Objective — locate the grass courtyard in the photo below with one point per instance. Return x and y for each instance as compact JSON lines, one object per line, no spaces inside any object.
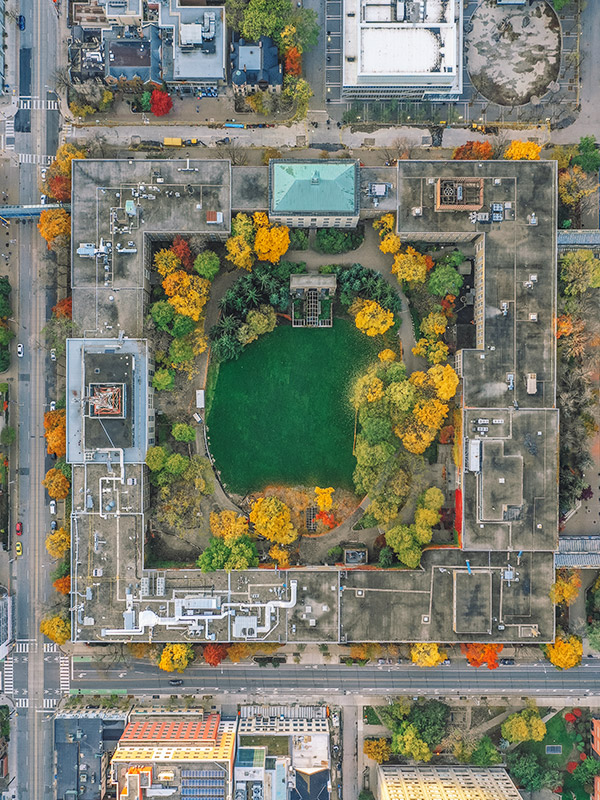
{"x":281,"y":414}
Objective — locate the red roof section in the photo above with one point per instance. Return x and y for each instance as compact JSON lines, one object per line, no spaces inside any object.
{"x":172,"y":730}
{"x":211,"y":216}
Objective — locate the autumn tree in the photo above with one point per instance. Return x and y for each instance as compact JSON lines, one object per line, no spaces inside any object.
{"x":565,"y":653}
{"x":56,"y":628}
{"x":56,"y":432}
{"x":63,"y":585}
{"x":181,"y":248}
{"x":160,"y":103}
{"x":473,"y":151}
{"x":64,"y":308}
{"x":271,"y":243}
{"x":377,"y":749}
{"x":238,"y":652}
{"x":280,"y":555}
{"x":166,"y":262}
{"x":156,"y":457}
{"x":187,"y":294}
{"x":64,"y":156}
{"x":479,"y":654}
{"x":517,"y":151}
{"x":564,"y":325}
{"x":324,"y":498}
{"x":258,"y":322}
{"x":390,"y":243}
{"x":271,"y":519}
{"x":434,"y":350}
{"x":409,"y":744}
{"x":292,"y":62}
{"x":574,"y":185}
{"x":58,"y":543}
{"x":213,"y":654}
{"x":524,"y":726}
{"x":239,"y":252}
{"x":370,"y":317}
{"x":228,"y":525}
{"x":410,"y":266}
{"x":56,"y":484}
{"x":53,"y":223}
{"x":565,"y":589}
{"x":385,"y":225}
{"x":175,"y":657}
{"x":580,"y":271}
{"x":427,"y":654}
{"x":59,"y":187}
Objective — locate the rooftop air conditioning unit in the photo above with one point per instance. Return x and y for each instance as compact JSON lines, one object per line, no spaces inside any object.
{"x":417,"y":211}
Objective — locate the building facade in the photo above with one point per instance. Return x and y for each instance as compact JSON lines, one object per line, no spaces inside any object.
{"x":395,"y":782}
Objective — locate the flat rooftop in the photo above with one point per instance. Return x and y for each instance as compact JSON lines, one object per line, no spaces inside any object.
{"x":123,"y":204}
{"x":196,"y":49}
{"x":404,"y":43}
{"x":107,"y":399}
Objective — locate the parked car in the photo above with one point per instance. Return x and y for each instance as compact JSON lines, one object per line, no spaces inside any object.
{"x":19,"y":549}
{"x":19,"y":528}
{"x":507,"y":662}
{"x":446,"y":662}
{"x":53,"y":354}
{"x":176,"y":682}
{"x":53,"y":506}
{"x":53,"y":525}
{"x":43,"y":173}
{"x":43,"y":199}
{"x":21,"y":22}
{"x":20,"y":350}
{"x":53,"y":405}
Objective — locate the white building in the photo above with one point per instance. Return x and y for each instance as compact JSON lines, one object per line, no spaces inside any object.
{"x":409,"y":50}
{"x":395,"y":782}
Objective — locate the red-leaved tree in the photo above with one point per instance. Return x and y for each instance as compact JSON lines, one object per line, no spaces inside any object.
{"x":160,"y":103}
{"x":293,"y":62}
{"x":214,"y":654}
{"x":64,"y":308}
{"x":480,"y":654}
{"x":182,"y":250}
{"x":59,"y":186}
{"x":63,"y":585}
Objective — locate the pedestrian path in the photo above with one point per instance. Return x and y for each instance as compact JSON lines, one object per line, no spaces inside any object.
{"x":35,"y":104}
{"x":34,"y":158}
{"x":9,"y":675}
{"x":9,"y":134}
{"x":50,"y":647}
{"x":22,"y":702}
{"x":50,"y":703}
{"x":65,"y":675}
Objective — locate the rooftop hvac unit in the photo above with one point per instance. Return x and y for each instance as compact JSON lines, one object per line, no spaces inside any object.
{"x":417,"y":211}
{"x":531,"y":383}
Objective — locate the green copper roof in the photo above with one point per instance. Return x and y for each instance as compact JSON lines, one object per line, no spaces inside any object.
{"x":313,"y":187}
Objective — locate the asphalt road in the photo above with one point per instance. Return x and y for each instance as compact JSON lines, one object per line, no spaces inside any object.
{"x":36,"y":681}
{"x":540,"y":679}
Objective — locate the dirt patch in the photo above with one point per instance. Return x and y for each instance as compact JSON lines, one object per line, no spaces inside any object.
{"x":513,"y":52}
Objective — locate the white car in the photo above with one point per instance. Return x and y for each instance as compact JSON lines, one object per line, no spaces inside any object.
{"x":53,"y":405}
{"x":53,"y":506}
{"x":20,"y":350}
{"x":53,"y":354}
{"x":43,"y":199}
{"x":43,"y":173}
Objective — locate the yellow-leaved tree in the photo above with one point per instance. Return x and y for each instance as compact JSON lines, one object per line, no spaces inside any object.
{"x":566,"y":588}
{"x":370,"y":317}
{"x":271,"y":519}
{"x":518,"y":150}
{"x":228,"y":525}
{"x":280,"y":555}
{"x":427,"y":654}
{"x":166,"y":262}
{"x":377,"y":749}
{"x":239,"y":252}
{"x":434,"y":324}
{"x":187,"y":294}
{"x":175,"y":657}
{"x":56,"y":628}
{"x":390,"y":243}
{"x":410,"y":266}
{"x":58,"y":543}
{"x":324,"y":498}
{"x":565,"y":653}
{"x":271,"y":243}
{"x":386,"y":356}
{"x":53,"y":223}
{"x":524,"y":726}
{"x":385,"y":225}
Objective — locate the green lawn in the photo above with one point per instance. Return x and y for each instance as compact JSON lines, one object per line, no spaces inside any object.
{"x":280,"y":413}
{"x":556,"y":733}
{"x":276,"y":745}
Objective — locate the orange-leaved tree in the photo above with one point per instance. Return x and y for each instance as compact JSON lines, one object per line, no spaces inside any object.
{"x":292,"y":62}
{"x":479,"y":654}
{"x":64,"y":308}
{"x":517,"y":151}
{"x":271,"y":519}
{"x":59,"y":187}
{"x":56,"y":484}
{"x":63,"y":585}
{"x":55,"y":425}
{"x":238,"y":651}
{"x":476,"y":151}
{"x":53,"y":223}
{"x":566,"y":652}
{"x":182,"y":250}
{"x":214,"y":654}
{"x":56,"y":628}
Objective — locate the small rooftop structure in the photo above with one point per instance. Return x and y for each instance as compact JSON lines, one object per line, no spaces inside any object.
{"x":314,"y":194}
{"x":312,"y":300}
{"x":409,"y":49}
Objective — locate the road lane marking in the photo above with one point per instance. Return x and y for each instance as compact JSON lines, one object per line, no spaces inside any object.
{"x":9,"y":675}
{"x":65,"y":675}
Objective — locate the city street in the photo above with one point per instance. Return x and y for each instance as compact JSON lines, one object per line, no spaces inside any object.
{"x":542,"y":679}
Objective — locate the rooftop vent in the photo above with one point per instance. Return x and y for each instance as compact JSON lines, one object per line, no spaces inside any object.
{"x":316,"y":178}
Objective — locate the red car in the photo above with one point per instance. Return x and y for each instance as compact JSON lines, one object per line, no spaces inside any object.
{"x":19,"y":527}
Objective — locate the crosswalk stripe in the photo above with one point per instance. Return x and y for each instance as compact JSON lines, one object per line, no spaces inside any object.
{"x":22,"y":702}
{"x":22,"y":647}
{"x":35,"y":104}
{"x":9,"y":675}
{"x":50,"y":702}
{"x":34,"y":158}
{"x":65,"y":674}
{"x":50,"y":647}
